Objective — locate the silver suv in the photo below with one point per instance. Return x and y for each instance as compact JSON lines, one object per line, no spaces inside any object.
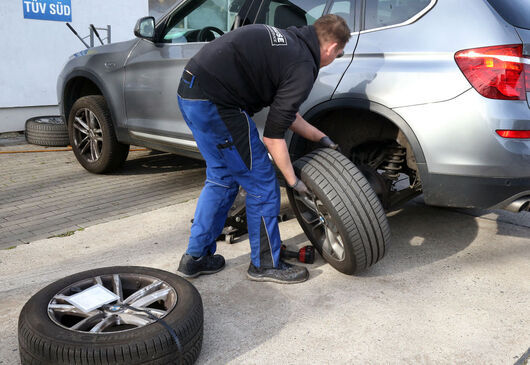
{"x":432,"y":96}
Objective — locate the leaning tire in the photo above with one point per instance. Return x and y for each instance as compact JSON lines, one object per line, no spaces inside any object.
{"x":93,"y":138}
{"x":50,"y":331}
{"x":344,"y":220}
{"x":48,"y":131}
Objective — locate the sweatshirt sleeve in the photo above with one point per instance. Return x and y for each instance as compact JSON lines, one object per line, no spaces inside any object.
{"x":294,"y":89}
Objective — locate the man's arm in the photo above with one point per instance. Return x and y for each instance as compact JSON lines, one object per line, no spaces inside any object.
{"x":302,"y":127}
{"x":278,"y":149}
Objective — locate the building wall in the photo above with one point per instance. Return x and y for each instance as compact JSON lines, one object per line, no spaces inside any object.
{"x":34,"y":52}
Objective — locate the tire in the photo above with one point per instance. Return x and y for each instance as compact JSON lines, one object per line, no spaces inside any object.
{"x":45,"y":335}
{"x":48,"y":131}
{"x":94,"y":144}
{"x":344,"y":220}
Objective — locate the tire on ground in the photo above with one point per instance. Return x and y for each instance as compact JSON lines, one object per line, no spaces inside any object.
{"x":113,"y":153}
{"x":351,"y":205}
{"x":43,"y":341}
{"x":48,"y":131}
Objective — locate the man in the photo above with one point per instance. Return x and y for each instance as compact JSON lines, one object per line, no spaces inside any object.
{"x":222,"y":86}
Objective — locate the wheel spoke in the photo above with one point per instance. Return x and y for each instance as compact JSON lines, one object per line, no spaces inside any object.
{"x":84,"y":148}
{"x":143,"y":292}
{"x":105,"y":323}
{"x":116,"y":287}
{"x":85,"y":139}
{"x":91,"y":119}
{"x":326,"y":245}
{"x":135,"y":319}
{"x":310,"y":218}
{"x":94,"y":150}
{"x":88,"y":322}
{"x":333,"y":243}
{"x":318,"y":225}
{"x":338,"y":249}
{"x":71,"y":310}
{"x":146,"y":300}
{"x":307,"y":202}
{"x":80,"y":125}
{"x":97,"y":280}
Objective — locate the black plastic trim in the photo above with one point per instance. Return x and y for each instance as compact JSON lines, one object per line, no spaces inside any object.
{"x":474,"y":192}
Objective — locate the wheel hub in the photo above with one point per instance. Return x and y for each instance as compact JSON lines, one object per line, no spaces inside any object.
{"x":114,"y":309}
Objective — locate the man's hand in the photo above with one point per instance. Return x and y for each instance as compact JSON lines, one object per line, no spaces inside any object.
{"x":300,"y":187}
{"x":327,"y":142}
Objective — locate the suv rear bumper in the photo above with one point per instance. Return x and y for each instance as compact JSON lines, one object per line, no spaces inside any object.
{"x":466,"y":163}
{"x":471,"y":191}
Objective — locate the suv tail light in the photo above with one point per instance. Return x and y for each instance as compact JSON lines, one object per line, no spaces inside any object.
{"x":507,"y":133}
{"x":496,"y":72}
{"x":527,"y":73}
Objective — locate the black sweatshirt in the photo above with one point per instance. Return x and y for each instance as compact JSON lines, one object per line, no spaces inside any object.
{"x":256,"y":66}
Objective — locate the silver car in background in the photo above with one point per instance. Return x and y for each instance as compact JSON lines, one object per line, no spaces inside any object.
{"x":432,"y":96}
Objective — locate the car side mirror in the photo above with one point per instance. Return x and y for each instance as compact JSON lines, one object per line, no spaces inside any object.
{"x":145,"y":28}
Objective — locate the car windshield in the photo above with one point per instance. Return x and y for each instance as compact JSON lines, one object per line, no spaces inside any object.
{"x":515,"y":12}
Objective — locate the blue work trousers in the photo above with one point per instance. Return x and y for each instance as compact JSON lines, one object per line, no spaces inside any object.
{"x":235,"y":156}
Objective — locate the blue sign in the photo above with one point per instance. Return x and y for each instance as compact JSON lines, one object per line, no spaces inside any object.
{"x":58,"y":10}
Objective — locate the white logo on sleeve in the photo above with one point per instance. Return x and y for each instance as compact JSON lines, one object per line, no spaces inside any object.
{"x":277,"y":37}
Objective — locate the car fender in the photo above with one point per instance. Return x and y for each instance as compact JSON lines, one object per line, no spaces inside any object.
{"x":117,"y":114}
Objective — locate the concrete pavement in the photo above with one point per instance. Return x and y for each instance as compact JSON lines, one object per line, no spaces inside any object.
{"x":453,"y":289}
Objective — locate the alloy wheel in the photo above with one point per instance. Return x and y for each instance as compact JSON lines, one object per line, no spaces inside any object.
{"x":88,"y":135}
{"x":315,"y":214}
{"x":142,"y":300}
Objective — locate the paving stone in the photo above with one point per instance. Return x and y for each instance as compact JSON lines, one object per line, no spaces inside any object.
{"x":46,"y":193}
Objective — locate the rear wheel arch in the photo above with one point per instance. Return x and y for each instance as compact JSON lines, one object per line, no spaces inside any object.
{"x":332,"y":115}
{"x":376,"y":139}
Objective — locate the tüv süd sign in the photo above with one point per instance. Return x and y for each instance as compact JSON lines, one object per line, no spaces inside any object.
{"x":58,"y":10}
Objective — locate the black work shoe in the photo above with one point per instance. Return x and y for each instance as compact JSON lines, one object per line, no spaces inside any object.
{"x":209,"y":264}
{"x":284,"y":274}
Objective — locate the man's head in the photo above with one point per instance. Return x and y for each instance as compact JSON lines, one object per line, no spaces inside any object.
{"x":333,"y":34}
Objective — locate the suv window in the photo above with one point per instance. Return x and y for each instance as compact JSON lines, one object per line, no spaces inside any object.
{"x":515,"y":12}
{"x":284,"y":13}
{"x":344,"y":9}
{"x":186,"y":25}
{"x":382,"y":13}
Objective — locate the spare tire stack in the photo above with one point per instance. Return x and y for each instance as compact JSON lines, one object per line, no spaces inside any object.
{"x":48,"y":131}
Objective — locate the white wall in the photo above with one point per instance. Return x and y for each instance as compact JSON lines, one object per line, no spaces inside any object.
{"x":34,"y":51}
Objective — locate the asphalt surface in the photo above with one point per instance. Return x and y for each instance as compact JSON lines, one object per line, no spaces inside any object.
{"x":453,"y":288}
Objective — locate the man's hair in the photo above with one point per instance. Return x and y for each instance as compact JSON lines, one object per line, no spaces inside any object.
{"x":332,"y":28}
